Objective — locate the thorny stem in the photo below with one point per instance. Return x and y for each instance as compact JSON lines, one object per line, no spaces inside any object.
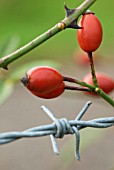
{"x":45,"y":36}
{"x":92,"y":69}
{"x":92,"y":89}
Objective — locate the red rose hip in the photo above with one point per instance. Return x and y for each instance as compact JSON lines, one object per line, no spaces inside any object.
{"x":52,"y":94}
{"x":90,"y":36}
{"x":42,"y":79}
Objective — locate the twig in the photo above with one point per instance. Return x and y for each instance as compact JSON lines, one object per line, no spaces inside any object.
{"x":94,"y":78}
{"x":77,"y":88}
{"x":92,"y":88}
{"x":45,"y":36}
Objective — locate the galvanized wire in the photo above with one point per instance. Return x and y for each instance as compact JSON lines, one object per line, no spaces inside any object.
{"x":59,"y":128}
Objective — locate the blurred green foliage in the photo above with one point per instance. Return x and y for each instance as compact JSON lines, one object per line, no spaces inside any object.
{"x":28,"y":19}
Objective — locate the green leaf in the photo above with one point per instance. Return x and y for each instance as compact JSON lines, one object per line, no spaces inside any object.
{"x":6,"y":89}
{"x":16,"y":74}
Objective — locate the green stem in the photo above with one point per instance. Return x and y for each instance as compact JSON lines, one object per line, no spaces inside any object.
{"x":40,"y":39}
{"x":104,"y":96}
{"x":77,"y":88}
{"x":94,"y":78}
{"x":92,"y":89}
{"x":96,"y":86}
{"x":73,"y":80}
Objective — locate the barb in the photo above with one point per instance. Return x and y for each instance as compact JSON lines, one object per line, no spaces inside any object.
{"x":59,"y":128}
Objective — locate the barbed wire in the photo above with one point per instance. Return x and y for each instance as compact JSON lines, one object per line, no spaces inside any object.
{"x":59,"y":128}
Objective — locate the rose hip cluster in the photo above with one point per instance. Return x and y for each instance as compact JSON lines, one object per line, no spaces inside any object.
{"x":46,"y":82}
{"x":89,"y":39}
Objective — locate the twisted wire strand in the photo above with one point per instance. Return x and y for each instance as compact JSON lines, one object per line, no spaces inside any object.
{"x":59,"y":128}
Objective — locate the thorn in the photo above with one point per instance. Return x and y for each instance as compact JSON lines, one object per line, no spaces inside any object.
{"x":65,"y":7}
{"x":5,"y":67}
{"x":68,"y":11}
{"x":73,"y":24}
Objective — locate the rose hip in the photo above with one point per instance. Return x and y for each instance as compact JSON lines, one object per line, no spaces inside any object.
{"x":90,"y":36}
{"x":42,"y":79}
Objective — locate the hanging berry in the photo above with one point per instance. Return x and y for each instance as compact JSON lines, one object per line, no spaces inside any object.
{"x":42,"y":79}
{"x":52,"y":94}
{"x":90,"y":36}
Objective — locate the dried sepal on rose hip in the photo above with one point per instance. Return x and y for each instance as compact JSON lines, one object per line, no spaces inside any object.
{"x":43,"y":81}
{"x":105,"y":82}
{"x":90,"y":36}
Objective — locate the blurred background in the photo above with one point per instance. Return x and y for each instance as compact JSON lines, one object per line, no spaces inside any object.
{"x":21,"y":22}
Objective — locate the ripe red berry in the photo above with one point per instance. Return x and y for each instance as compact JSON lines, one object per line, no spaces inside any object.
{"x":52,"y":94}
{"x":105,"y":82}
{"x":42,"y":79}
{"x":90,"y":36}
